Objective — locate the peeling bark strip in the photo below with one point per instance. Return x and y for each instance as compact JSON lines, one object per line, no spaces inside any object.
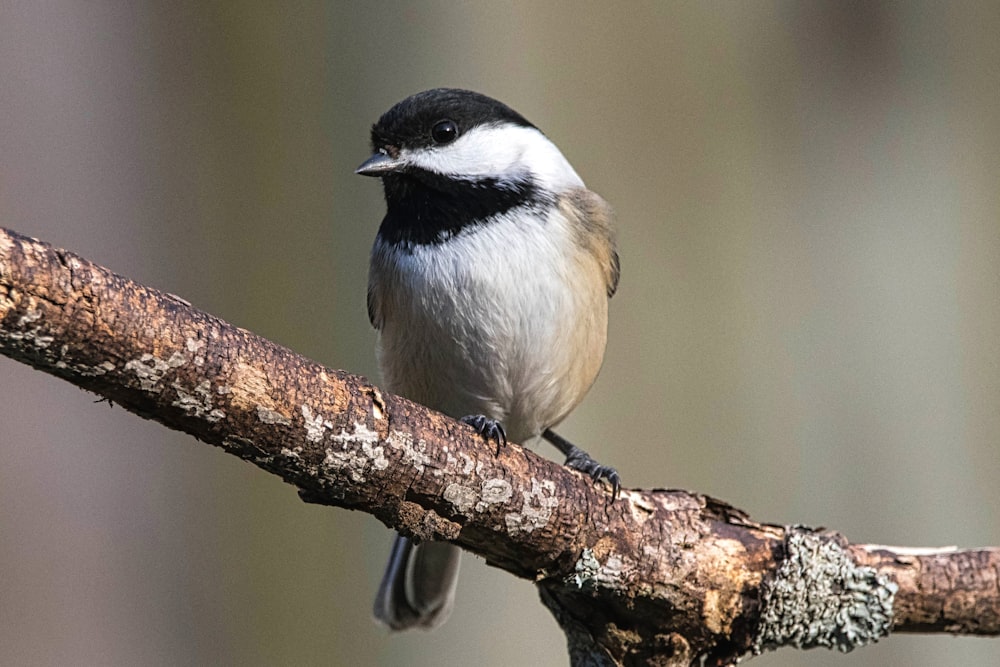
{"x":658,"y":577}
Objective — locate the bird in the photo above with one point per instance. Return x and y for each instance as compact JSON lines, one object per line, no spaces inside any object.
{"x":488,"y":287}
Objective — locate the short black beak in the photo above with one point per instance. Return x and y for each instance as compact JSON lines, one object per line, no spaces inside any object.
{"x":380,"y":164}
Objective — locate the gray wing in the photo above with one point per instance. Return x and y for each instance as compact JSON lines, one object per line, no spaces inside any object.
{"x":377,"y":269}
{"x":594,"y":219}
{"x":373,"y":314}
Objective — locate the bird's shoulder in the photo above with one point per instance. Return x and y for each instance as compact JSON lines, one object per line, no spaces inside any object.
{"x":593,"y":221}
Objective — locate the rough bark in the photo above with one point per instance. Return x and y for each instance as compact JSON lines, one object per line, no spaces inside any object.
{"x":659,"y":577}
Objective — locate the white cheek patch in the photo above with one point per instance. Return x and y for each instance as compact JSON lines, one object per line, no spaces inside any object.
{"x":504,"y":152}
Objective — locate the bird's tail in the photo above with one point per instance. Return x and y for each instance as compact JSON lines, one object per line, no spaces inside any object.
{"x":418,"y":587}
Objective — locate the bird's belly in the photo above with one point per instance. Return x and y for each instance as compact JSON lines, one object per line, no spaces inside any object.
{"x":517,"y":334}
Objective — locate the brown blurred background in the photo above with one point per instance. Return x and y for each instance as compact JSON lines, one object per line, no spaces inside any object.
{"x":807,"y":324}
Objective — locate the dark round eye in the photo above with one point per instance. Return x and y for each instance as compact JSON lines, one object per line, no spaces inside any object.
{"x":444,"y":132}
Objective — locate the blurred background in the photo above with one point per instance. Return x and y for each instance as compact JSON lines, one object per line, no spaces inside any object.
{"x":807,"y":324}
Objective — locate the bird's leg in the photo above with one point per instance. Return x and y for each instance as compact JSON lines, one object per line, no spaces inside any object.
{"x":490,"y":429}
{"x":577,"y":459}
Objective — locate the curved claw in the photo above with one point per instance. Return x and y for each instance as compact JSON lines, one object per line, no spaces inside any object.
{"x":577,"y":459}
{"x":580,"y":460}
{"x":490,"y":429}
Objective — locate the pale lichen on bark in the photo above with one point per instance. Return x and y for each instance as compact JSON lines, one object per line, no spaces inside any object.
{"x":820,"y":596}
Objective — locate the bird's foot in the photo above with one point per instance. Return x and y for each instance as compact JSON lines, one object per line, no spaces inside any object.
{"x":490,"y":429}
{"x":585,"y":463}
{"x":577,"y":459}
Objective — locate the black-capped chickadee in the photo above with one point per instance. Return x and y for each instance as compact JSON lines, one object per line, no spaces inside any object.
{"x":489,"y":286}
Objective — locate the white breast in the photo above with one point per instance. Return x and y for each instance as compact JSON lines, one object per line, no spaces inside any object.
{"x":506,"y":319}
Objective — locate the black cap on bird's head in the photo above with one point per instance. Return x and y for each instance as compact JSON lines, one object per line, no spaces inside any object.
{"x":453,"y":159}
{"x":432,"y":118}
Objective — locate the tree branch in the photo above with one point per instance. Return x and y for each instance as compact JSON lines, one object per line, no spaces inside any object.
{"x":658,"y":577}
